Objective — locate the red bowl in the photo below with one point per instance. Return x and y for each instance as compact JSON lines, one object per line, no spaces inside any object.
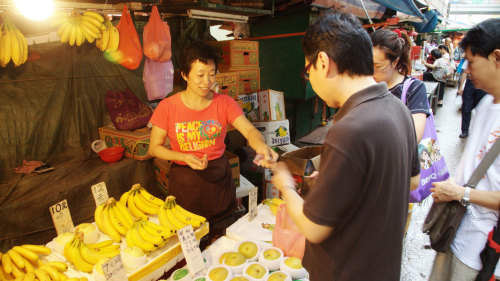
{"x":112,"y":154}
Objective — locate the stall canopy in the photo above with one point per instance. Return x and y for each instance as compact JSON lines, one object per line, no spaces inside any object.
{"x":404,"y":6}
{"x":355,"y":7}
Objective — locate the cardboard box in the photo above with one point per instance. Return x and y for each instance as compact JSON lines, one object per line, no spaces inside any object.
{"x":303,"y":161}
{"x":234,"y":162}
{"x":162,"y":172}
{"x":238,"y":52}
{"x":136,"y":143}
{"x":228,"y":83}
{"x":275,"y":132}
{"x":271,"y":105}
{"x":250,"y":105}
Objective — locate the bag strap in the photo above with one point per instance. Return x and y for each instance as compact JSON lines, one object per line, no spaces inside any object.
{"x":406,"y":86}
{"x":483,"y":166}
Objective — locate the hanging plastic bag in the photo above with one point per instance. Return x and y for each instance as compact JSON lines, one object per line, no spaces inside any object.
{"x":158,"y":78}
{"x":126,"y":110}
{"x":287,"y":236}
{"x":130,"y":45}
{"x":156,"y":38}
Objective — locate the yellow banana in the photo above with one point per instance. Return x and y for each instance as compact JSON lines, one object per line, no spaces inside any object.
{"x":74,"y":279}
{"x":62,"y":276}
{"x":38,"y":249}
{"x":77,"y":259}
{"x":124,"y":214}
{"x":154,"y":228}
{"x":156,"y":239}
{"x":66,"y":31}
{"x":24,"y":45}
{"x":185,"y":218}
{"x":52,"y":272}
{"x":17,"y":272}
{"x":94,"y":22}
{"x":17,"y":259}
{"x":16,"y":55}
{"x":6,"y":47}
{"x":67,"y":249}
{"x":113,"y":219}
{"x":89,"y":36}
{"x":145,"y":205}
{"x":26,"y":253}
{"x":59,"y":265}
{"x":108,"y":228}
{"x":7,"y":263}
{"x":79,"y":35}
{"x":128,"y":238}
{"x":72,"y":35}
{"x":29,"y":267}
{"x":184,"y":211}
{"x":163,"y":218}
{"x":107,"y":249}
{"x":98,"y":214}
{"x":62,"y":27}
{"x":83,"y":279}
{"x":149,"y":197}
{"x":92,"y":28}
{"x":136,"y":212}
{"x":104,"y":39}
{"x":30,"y":276}
{"x":139,"y":242}
{"x":124,"y":197}
{"x":174,"y":220}
{"x":100,"y":244}
{"x":89,"y":255}
{"x":95,"y":15}
{"x":42,"y":275}
{"x":114,"y":40}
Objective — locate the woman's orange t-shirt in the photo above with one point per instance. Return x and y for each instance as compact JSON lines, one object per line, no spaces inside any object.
{"x":196,"y":131}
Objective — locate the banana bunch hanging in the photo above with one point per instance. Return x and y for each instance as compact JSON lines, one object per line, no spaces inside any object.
{"x":13,"y":45}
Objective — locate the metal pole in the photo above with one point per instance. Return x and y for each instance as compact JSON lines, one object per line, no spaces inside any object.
{"x":366,"y":12}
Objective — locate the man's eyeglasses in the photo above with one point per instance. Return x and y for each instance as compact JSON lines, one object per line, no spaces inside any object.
{"x":305,"y":72}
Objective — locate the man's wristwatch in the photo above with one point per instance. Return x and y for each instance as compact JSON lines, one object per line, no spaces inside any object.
{"x":466,"y":199}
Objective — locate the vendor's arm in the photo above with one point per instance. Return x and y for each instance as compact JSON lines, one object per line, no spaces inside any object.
{"x":157,"y":149}
{"x":314,"y":233}
{"x":448,"y":191}
{"x":256,"y":141}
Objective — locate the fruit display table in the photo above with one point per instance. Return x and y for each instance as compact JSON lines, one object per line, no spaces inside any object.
{"x":243,"y":229}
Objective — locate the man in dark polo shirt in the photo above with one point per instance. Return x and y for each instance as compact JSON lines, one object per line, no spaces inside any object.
{"x":354,"y":216}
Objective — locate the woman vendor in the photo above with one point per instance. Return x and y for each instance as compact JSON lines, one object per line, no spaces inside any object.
{"x":196,"y":120}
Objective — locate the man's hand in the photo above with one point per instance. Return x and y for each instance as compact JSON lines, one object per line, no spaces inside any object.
{"x":270,"y":156}
{"x":196,"y":163}
{"x":282,"y":179}
{"x":445,"y":191}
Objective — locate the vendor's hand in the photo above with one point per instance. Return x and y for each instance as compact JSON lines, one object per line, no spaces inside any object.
{"x":446,"y":191}
{"x":196,"y":163}
{"x":282,"y":179}
{"x":270,"y":156}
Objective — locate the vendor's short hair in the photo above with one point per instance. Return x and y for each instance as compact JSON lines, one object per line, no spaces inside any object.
{"x":197,"y":51}
{"x":436,"y":53}
{"x":483,"y":38}
{"x":343,"y":39}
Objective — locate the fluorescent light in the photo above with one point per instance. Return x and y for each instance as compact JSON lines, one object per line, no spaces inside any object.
{"x":208,"y":15}
{"x":35,"y":9}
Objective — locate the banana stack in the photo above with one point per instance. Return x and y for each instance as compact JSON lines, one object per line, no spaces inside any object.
{"x":110,"y":38}
{"x":84,"y":256}
{"x":147,"y":235}
{"x":113,"y":219}
{"x":140,"y":202}
{"x":273,"y":204}
{"x":174,"y":216}
{"x":78,"y":28}
{"x":13,"y":45}
{"x":23,"y":263}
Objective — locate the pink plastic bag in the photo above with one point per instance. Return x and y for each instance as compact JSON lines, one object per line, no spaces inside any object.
{"x":286,"y":235}
{"x":158,"y":78}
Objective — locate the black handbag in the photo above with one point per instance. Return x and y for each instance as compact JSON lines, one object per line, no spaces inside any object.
{"x":444,"y":218}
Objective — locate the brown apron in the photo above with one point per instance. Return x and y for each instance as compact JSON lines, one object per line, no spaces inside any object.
{"x":210,"y":192}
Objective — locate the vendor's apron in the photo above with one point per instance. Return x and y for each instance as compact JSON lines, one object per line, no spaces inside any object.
{"x":210,"y":192}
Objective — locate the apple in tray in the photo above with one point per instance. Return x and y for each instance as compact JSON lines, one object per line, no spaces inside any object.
{"x":255,"y":271}
{"x":250,"y":249}
{"x":271,"y":257}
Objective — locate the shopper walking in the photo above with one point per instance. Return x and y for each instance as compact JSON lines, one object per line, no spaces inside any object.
{"x":462,"y":262}
{"x":357,"y":209}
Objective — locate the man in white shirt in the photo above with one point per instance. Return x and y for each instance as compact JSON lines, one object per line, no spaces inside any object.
{"x":462,"y":262}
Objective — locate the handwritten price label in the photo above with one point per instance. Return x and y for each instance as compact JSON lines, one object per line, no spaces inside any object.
{"x":114,"y":270}
{"x":61,"y":217}
{"x":252,"y":204}
{"x":100,"y":193}
{"x":191,"y":251}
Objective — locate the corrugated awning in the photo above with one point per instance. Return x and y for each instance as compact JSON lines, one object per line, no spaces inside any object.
{"x":404,"y":6}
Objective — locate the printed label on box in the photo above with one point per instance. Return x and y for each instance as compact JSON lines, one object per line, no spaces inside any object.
{"x":271,"y":105}
{"x":250,"y":106}
{"x":274,"y":132}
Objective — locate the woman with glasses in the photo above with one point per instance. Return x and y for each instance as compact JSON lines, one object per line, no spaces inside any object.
{"x":392,"y":64}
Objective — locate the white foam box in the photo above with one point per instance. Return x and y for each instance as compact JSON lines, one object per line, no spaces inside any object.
{"x":271,"y":105}
{"x":274,"y":132}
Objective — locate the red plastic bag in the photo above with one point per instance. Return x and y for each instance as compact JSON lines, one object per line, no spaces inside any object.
{"x":287,"y":236}
{"x":158,"y":78}
{"x":130,"y":45}
{"x":156,"y":38}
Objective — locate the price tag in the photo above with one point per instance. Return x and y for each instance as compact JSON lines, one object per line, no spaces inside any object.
{"x":61,"y":217}
{"x":100,"y":193}
{"x":114,"y":270}
{"x":191,"y":250}
{"x":252,"y":204}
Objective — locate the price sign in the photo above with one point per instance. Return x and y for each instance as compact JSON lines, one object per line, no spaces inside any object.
{"x":61,"y":217}
{"x":191,"y":251}
{"x":114,"y":270}
{"x":252,"y":203}
{"x":100,"y":193}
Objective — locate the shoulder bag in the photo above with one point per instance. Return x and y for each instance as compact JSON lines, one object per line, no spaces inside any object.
{"x":432,"y":164}
{"x":444,"y":218}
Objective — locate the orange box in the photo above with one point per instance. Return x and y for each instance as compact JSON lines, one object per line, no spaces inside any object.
{"x":238,"y":52}
{"x":228,"y":83}
{"x":136,"y":143}
{"x":162,"y":173}
{"x":249,"y":78}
